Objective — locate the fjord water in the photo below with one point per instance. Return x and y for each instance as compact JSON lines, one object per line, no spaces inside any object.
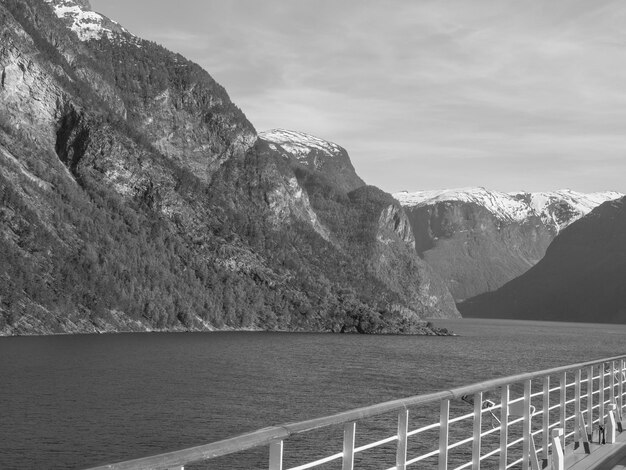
{"x":79,"y":401}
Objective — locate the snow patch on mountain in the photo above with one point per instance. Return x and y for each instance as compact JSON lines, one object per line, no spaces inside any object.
{"x":86,"y":24}
{"x":556,"y":208}
{"x":565,"y":206}
{"x":299,"y":144}
{"x":502,"y":205}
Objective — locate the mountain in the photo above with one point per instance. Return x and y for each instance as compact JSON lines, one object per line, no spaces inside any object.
{"x":581,"y":277}
{"x":477,"y":239}
{"x":134,"y":195}
{"x":560,"y":208}
{"x":312,"y":152}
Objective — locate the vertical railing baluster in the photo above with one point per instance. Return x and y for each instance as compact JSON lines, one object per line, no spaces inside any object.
{"x":349,"y":432}
{"x":527,"y":426}
{"x":577,"y":436}
{"x":601,"y":394}
{"x":504,"y":425}
{"x":589,"y":402}
{"x":562,"y":410}
{"x":276,"y":455}
{"x":444,"y":418}
{"x":612,"y":382}
{"x":620,"y":387}
{"x":546,"y":417}
{"x":403,"y":429}
{"x":478,"y":427}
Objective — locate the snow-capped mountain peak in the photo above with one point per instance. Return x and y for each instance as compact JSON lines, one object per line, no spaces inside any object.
{"x":502,"y":205}
{"x":556,"y":208}
{"x":85,"y":23}
{"x":306,"y":150}
{"x":299,"y":144}
{"x":564,"y":206}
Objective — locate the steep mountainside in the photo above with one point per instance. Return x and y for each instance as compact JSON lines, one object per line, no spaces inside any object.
{"x":581,"y":277}
{"x":135,"y":195}
{"x":478,"y":240}
{"x":317,"y":154}
{"x":373,"y":230}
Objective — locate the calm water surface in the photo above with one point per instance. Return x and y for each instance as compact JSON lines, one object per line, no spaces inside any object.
{"x":80,"y":401}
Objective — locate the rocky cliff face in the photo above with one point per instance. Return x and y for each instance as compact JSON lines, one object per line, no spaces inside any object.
{"x":396,"y":264}
{"x":135,"y":195}
{"x":394,"y":223}
{"x":579,"y":279}
{"x":478,"y":240}
{"x":31,"y":98}
{"x":472,"y":249}
{"x":287,"y":200}
{"x":372,"y":229}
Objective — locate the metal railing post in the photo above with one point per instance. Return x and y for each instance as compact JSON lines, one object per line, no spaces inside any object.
{"x":403,"y":429}
{"x":478,"y":426}
{"x":526,"y":436}
{"x":349,"y":432}
{"x":577,"y":406}
{"x":612,"y":382}
{"x":504,"y":425}
{"x":620,"y":387}
{"x":276,"y":455}
{"x":443,"y":434}
{"x":546,"y":417}
{"x":562,"y":392}
{"x":601,"y":394}
{"x":590,"y":402}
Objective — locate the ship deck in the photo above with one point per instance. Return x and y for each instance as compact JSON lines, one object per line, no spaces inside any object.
{"x":602,"y":457}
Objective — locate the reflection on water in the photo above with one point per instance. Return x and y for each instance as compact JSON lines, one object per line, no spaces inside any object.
{"x":78,"y":401}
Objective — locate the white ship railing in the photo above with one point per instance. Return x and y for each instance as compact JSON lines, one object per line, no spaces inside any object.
{"x":564,"y":405}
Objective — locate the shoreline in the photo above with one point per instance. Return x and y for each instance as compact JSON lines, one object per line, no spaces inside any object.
{"x":431,"y":331}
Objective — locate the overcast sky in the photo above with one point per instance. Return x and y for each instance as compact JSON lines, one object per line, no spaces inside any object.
{"x":424,"y":94}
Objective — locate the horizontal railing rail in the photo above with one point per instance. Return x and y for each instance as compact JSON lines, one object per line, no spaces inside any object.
{"x":520,"y":408}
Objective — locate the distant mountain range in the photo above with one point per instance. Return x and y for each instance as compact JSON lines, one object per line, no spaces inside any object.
{"x":478,"y":239}
{"x":556,"y":208}
{"x":581,"y":278}
{"x":134,"y":195}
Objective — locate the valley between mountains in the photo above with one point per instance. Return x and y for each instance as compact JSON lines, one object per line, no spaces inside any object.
{"x":136,"y":196}
{"x":478,"y":240}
